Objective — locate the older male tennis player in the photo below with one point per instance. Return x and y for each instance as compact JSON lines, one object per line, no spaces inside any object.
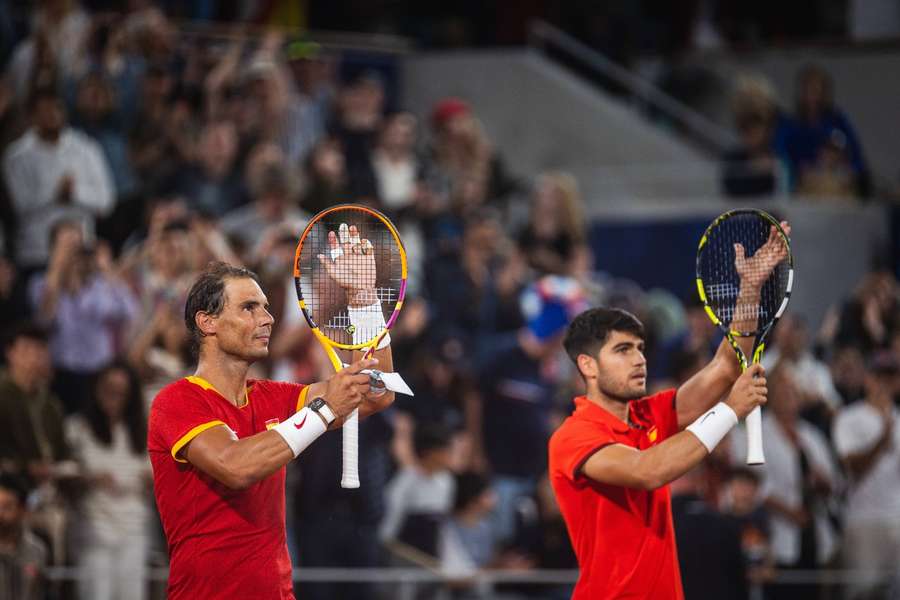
{"x":219,"y":443}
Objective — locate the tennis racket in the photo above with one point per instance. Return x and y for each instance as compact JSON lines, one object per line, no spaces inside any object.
{"x":744,"y":276}
{"x":350,"y":275}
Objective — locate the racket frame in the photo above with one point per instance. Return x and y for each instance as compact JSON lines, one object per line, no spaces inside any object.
{"x":755,"y":455}
{"x":350,"y":430}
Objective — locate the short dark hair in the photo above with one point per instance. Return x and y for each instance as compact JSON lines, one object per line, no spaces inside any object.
{"x":16,"y":486}
{"x":588,"y":331}
{"x":42,"y":93}
{"x":469,"y":487}
{"x":25,"y":329}
{"x":745,"y":473}
{"x":430,"y":436}
{"x":208,"y":295}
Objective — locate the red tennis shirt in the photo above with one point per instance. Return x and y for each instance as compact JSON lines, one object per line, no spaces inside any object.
{"x":222,"y":543}
{"x":623,"y":537}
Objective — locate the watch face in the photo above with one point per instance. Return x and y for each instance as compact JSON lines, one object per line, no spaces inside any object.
{"x":317,"y":404}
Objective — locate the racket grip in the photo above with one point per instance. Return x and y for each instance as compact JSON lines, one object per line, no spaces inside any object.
{"x":753,"y":422}
{"x":350,"y":470}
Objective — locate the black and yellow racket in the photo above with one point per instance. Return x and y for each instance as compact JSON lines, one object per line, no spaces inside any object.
{"x":744,"y":276}
{"x":350,"y":274}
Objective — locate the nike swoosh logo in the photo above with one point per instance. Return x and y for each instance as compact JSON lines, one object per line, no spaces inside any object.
{"x":705,"y":417}
{"x":300,"y":424}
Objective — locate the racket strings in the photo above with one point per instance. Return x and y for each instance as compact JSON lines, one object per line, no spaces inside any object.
{"x":360,"y":269}
{"x":719,"y":273}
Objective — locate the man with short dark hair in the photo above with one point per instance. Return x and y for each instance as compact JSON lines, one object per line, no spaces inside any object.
{"x":53,"y":172}
{"x":219,"y":443}
{"x":23,"y":556}
{"x":611,"y":460}
{"x":31,"y":418}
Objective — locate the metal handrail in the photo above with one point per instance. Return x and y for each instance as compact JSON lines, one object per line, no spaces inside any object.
{"x":488,"y":576}
{"x":711,"y":134}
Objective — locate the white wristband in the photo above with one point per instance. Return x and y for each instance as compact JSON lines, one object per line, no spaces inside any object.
{"x":301,"y":430}
{"x":713,"y":425}
{"x":368,"y":322}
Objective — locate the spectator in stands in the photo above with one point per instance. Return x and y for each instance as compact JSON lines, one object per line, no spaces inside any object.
{"x":830,"y":177}
{"x":518,"y":374}
{"x":815,"y":121}
{"x":32,"y":443}
{"x":419,"y":498}
{"x":556,"y":231}
{"x":709,"y":543}
{"x":99,"y":115}
{"x":23,"y":556}
{"x":359,"y":115}
{"x":31,"y":439}
{"x":337,"y":527}
{"x":791,"y":343}
{"x":159,"y":141}
{"x":848,"y":370}
{"x":867,"y":439}
{"x":461,"y":151}
{"x":468,"y":542}
{"x":741,"y":501}
{"x":394,"y":162}
{"x":871,"y":317}
{"x":274,"y":203}
{"x":325,"y":177}
{"x":541,"y":542}
{"x":697,"y":343}
{"x":756,"y":167}
{"x":108,"y":440}
{"x":87,"y":305}
{"x":53,"y":172}
{"x":798,"y":479}
{"x":59,"y":29}
{"x":211,"y":184}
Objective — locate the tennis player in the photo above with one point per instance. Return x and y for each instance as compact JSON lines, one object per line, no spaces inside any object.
{"x":611,"y":460}
{"x":219,"y":443}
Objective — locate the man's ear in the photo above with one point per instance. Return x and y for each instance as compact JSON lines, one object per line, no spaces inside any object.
{"x":587,"y":365}
{"x":206,"y":322}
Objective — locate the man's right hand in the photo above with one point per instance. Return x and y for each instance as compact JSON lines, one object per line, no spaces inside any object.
{"x":346,"y":389}
{"x":65,"y":188}
{"x":749,"y":391}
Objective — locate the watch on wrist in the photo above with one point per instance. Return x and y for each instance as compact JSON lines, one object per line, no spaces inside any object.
{"x":321,"y":407}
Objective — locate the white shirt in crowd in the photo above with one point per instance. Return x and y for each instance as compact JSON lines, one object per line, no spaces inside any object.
{"x":412,"y":491}
{"x":782,"y":480}
{"x":33,"y":169}
{"x":814,"y":374}
{"x":396,"y":180}
{"x":857,"y":428}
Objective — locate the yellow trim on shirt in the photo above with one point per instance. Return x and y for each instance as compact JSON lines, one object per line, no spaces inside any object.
{"x":199,"y":381}
{"x":301,"y":399}
{"x":191,"y":435}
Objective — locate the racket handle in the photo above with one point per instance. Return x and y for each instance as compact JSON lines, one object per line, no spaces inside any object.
{"x":754,"y":438}
{"x":350,"y":474}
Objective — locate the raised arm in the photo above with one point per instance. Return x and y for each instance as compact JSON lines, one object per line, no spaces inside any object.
{"x":708,"y":386}
{"x":239,"y":463}
{"x":656,"y":466}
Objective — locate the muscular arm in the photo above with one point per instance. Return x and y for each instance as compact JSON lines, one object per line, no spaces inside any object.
{"x":648,"y":469}
{"x":699,"y":393}
{"x":238,"y":463}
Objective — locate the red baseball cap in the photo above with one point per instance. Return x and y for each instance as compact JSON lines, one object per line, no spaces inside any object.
{"x":448,"y":108}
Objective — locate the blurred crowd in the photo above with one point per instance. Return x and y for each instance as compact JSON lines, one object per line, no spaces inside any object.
{"x":132,"y":155}
{"x":812,"y":151}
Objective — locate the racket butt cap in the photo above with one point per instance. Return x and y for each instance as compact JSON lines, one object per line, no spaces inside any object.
{"x":350,"y":483}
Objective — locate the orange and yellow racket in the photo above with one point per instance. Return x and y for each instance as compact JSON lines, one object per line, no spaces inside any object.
{"x":350,"y":274}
